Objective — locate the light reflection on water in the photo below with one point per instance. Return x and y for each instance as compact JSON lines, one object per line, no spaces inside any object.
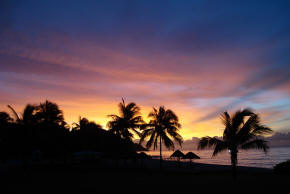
{"x":252,"y":158}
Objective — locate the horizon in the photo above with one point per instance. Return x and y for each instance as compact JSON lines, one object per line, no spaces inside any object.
{"x":198,"y":59}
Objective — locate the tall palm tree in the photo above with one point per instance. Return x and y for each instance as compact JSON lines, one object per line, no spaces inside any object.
{"x":25,"y":125}
{"x":163,"y":126}
{"x":88,"y":133}
{"x":129,"y":121}
{"x":51,"y":129}
{"x":242,"y":131}
{"x":49,"y":114}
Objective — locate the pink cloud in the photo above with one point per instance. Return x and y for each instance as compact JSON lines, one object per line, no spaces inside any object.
{"x":70,"y":71}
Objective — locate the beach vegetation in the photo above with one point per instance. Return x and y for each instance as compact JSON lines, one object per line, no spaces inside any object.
{"x":163,"y":128}
{"x":243,"y":130}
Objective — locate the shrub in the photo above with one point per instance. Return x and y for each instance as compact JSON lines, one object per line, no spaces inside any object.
{"x":283,"y":167}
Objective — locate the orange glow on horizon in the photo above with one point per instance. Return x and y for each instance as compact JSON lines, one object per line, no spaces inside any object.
{"x":98,"y":109}
{"x":98,"y":112}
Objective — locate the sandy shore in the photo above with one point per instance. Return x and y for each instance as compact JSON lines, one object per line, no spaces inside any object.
{"x":153,"y":164}
{"x":181,"y":166}
{"x":137,"y":177}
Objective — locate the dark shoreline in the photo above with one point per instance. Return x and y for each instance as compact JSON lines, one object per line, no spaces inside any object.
{"x":96,"y":178}
{"x":152,"y":164}
{"x":173,"y":165}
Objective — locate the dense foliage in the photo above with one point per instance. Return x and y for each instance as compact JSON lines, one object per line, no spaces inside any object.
{"x":283,"y":167}
{"x":163,"y":127}
{"x":42,"y":129}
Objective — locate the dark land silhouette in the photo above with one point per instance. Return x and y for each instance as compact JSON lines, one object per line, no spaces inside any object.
{"x":85,"y":158}
{"x":41,"y":130}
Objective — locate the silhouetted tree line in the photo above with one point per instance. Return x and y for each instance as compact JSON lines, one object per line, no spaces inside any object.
{"x":283,"y":167}
{"x":42,"y":129}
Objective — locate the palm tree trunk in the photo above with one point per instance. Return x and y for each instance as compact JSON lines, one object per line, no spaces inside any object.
{"x":160,"y":153}
{"x":234,"y":160}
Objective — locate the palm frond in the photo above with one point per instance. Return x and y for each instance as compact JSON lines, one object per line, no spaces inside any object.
{"x":115,"y":117}
{"x":28,"y":114}
{"x":251,"y":129}
{"x":144,"y":134}
{"x":76,"y":125}
{"x":226,"y":120}
{"x":151,"y":140}
{"x":220,"y":146}
{"x":137,"y":120}
{"x":244,"y":134}
{"x":176,"y":136}
{"x":208,"y":142}
{"x":238,"y":118}
{"x":255,"y":144}
{"x":14,"y":113}
{"x":167,"y":141}
{"x":153,"y":114}
{"x":262,"y":130}
{"x":170,"y":115}
{"x":135,"y":131}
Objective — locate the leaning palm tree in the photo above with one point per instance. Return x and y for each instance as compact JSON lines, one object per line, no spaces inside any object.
{"x":242,"y":131}
{"x":27,"y":117}
{"x":163,"y":125}
{"x":26,"y":123}
{"x":129,"y":121}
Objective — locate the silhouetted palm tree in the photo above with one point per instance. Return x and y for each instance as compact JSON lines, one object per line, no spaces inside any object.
{"x":50,"y":114}
{"x":82,"y":123}
{"x":28,"y":115}
{"x":51,"y":129}
{"x":5,"y":129}
{"x":26,"y":124}
{"x":129,"y":120}
{"x":163,"y":125}
{"x":41,"y":128}
{"x":86,"y":126}
{"x":242,"y":131}
{"x":88,"y":133}
{"x":4,"y":119}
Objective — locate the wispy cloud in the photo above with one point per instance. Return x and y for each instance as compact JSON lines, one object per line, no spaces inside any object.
{"x":196,"y":58}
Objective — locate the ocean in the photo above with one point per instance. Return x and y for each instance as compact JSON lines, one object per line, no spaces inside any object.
{"x":251,"y":158}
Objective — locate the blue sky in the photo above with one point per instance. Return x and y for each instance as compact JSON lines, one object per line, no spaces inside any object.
{"x":198,"y":58}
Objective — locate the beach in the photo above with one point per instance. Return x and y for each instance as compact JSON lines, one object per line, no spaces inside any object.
{"x":187,"y":167}
{"x":173,"y":177}
{"x":250,"y":158}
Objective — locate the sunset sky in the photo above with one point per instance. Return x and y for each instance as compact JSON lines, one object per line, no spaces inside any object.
{"x":198,"y":58}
